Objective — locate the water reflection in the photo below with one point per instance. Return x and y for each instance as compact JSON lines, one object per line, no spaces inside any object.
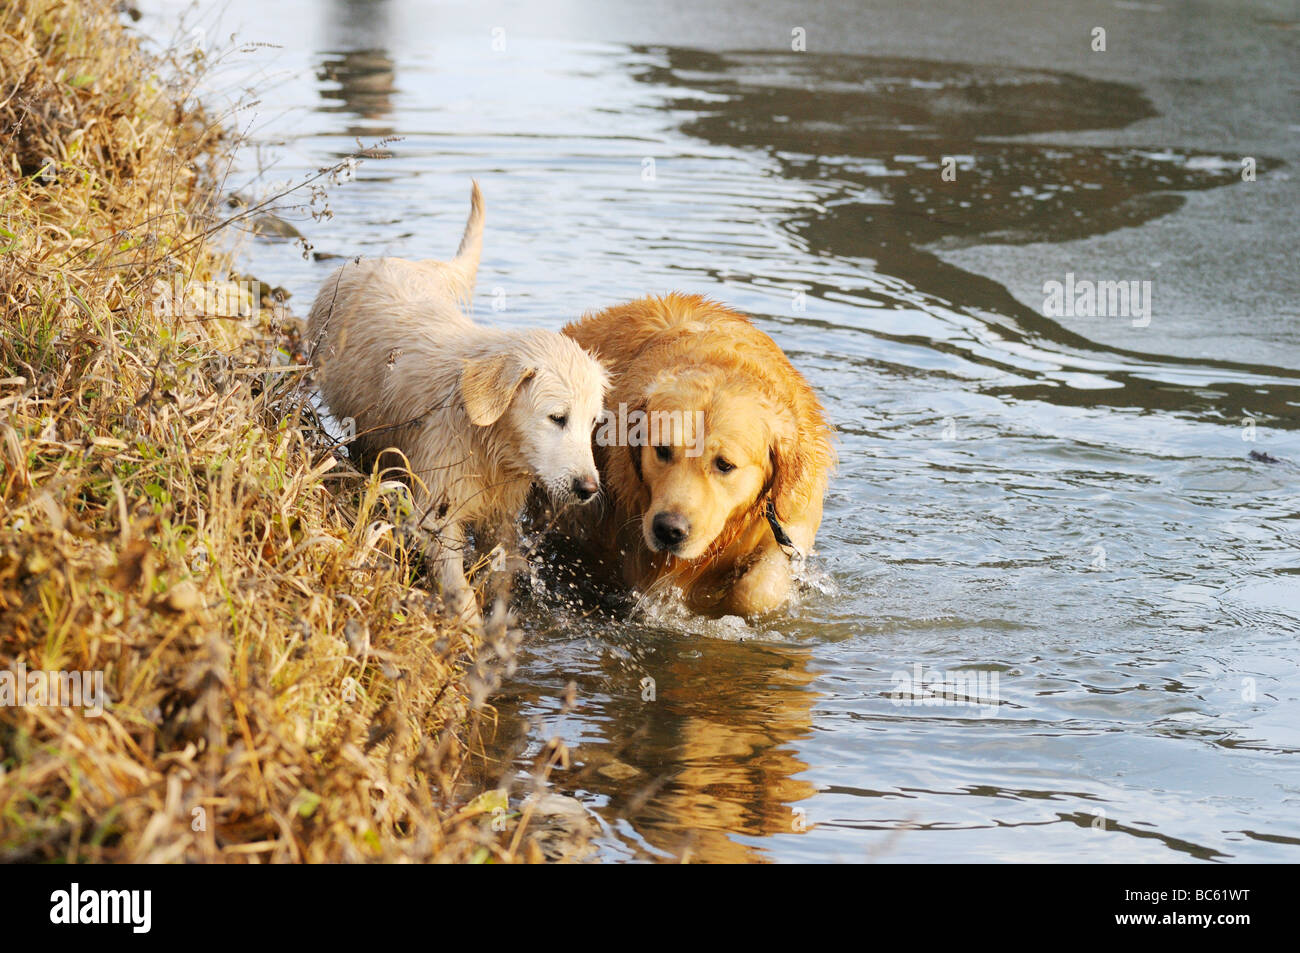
{"x":365,"y":88}
{"x":872,"y":134}
{"x":357,"y":73}
{"x":878,"y":129}
{"x":695,"y":749}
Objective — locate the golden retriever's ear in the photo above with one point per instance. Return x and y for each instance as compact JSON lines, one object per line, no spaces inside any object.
{"x":800,"y":457}
{"x":488,"y":384}
{"x":634,"y":449}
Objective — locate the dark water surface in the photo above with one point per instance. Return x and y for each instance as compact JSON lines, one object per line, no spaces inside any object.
{"x":1013,"y":499}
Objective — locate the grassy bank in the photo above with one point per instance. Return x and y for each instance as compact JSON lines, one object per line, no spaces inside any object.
{"x":278,"y":686}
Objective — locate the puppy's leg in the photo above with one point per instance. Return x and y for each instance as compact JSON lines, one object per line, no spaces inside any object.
{"x":448,"y":553}
{"x":506,"y":560}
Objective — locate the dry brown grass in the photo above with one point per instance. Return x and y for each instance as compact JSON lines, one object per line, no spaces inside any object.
{"x":280,"y":688}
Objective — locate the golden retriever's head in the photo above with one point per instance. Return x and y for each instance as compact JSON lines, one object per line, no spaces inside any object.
{"x":719,"y":448}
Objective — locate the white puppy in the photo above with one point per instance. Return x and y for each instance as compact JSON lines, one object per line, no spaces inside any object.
{"x":479,"y":413}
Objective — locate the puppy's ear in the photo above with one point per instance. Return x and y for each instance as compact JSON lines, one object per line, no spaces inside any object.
{"x":488,"y":384}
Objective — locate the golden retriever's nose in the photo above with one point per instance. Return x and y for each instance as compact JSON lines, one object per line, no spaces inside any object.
{"x":670,"y":529}
{"x":584,"y":488}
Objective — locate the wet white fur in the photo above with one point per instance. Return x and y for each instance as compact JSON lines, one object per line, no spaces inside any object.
{"x":468,"y":405}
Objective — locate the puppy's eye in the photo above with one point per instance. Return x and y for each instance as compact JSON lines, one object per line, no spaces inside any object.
{"x":724,"y":466}
{"x":559,"y":419}
{"x":664,"y":452}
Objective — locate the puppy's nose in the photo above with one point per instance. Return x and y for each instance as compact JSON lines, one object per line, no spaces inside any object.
{"x":670,"y":528}
{"x":584,"y":488}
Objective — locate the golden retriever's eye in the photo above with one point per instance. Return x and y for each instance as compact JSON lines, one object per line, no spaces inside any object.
{"x":724,"y":466}
{"x":559,"y":419}
{"x":664,"y":452}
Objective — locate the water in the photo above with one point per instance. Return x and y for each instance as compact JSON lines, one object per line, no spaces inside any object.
{"x":1013,"y":499}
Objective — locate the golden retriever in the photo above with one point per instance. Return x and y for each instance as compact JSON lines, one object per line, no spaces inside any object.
{"x":479,"y":413}
{"x":719,"y":490}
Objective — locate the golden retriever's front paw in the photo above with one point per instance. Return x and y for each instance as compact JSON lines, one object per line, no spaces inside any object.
{"x":764,"y":586}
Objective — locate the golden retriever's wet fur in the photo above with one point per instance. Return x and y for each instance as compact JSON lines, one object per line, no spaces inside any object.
{"x":699,"y":522}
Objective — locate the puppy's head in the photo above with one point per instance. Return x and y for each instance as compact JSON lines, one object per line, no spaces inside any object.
{"x":545,"y":395}
{"x":716,"y":447}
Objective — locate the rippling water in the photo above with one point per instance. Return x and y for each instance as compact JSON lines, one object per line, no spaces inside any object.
{"x":1084,"y":524}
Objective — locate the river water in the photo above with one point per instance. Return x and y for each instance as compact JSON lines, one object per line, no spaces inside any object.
{"x":1081,"y":530}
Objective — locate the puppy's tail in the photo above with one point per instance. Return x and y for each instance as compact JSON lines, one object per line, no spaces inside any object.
{"x":465,"y":265}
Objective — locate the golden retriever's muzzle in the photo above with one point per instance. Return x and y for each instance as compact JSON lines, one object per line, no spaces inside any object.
{"x":669,"y":530}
